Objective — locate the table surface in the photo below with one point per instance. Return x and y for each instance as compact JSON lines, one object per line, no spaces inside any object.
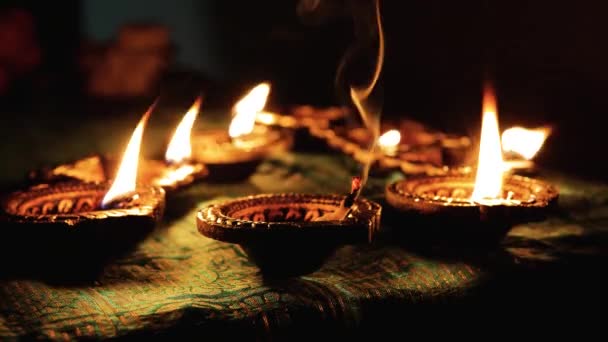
{"x":179,"y":282}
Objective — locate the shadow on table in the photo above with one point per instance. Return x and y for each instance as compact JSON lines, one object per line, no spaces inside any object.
{"x":72,"y":259}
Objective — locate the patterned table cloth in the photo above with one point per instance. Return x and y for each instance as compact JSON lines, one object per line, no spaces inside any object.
{"x":177,"y":282}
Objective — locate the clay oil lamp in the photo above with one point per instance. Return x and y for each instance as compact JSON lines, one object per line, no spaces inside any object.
{"x":407,"y":146}
{"x":474,"y":208}
{"x":76,"y":220}
{"x":391,"y":153}
{"x":291,"y":234}
{"x":236,"y":153}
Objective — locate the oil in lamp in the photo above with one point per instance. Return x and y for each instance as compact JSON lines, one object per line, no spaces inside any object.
{"x":176,"y":171}
{"x":235,"y":154}
{"x":458,"y":207}
{"x":520,"y":145}
{"x":76,"y":220}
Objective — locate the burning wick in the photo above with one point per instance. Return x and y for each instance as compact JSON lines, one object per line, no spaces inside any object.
{"x":355,"y":186}
{"x":126,"y":177}
{"x":246,"y":111}
{"x":179,"y":150}
{"x":346,"y":205}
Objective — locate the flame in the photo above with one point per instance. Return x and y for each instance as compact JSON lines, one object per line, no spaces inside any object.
{"x":371,"y":118}
{"x":389,"y":139}
{"x":179,"y":148}
{"x":488,"y":182}
{"x":523,"y":141}
{"x":126,"y":177}
{"x":247,"y":109}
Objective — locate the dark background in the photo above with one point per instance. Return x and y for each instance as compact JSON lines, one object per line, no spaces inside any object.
{"x":548,"y":60}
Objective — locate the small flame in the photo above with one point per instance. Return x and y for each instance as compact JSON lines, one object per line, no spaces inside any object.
{"x":488,"y":182}
{"x":247,"y":109}
{"x":371,"y":118}
{"x":126,"y":177}
{"x":179,"y":148}
{"x":523,"y":141}
{"x":389,"y":139}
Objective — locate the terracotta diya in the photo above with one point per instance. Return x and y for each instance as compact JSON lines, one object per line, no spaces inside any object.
{"x":175,"y":172}
{"x":88,"y":218}
{"x":236,"y":153}
{"x":411,"y":148}
{"x":471,"y":209}
{"x":290,"y":234}
{"x":441,"y":207}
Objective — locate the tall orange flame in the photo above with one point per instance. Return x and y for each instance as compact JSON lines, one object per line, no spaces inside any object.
{"x":126,"y":177}
{"x":180,"y":148}
{"x":246,"y":110}
{"x":488,"y":182}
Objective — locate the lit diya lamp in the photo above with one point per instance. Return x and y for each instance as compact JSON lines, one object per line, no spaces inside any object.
{"x":410,"y":159}
{"x":236,"y":153}
{"x":176,"y":171}
{"x":291,"y":234}
{"x":76,"y":219}
{"x":460,"y":207}
{"x":412,"y":148}
{"x":520,"y":145}
{"x":434,"y":157}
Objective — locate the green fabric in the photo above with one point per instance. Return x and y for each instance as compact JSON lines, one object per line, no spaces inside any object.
{"x":177,"y":269}
{"x":176,"y":272}
{"x":178,"y":278}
